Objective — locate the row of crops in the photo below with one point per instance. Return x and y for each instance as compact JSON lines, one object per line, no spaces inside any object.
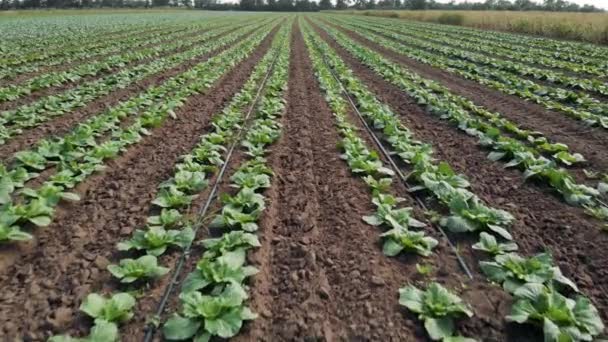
{"x":183,"y":266}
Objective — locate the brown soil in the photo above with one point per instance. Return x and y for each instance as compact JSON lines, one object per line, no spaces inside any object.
{"x":557,"y":127}
{"x":61,"y":125}
{"x":543,"y":222}
{"x":322,"y":272}
{"x":73,"y":252}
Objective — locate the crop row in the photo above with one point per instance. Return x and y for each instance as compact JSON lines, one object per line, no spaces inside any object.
{"x":95,"y":68}
{"x":520,"y":52}
{"x":32,"y":36}
{"x":576,"y":105}
{"x":31,"y":115}
{"x":77,"y":155}
{"x":101,"y":47}
{"x":213,"y":295}
{"x":514,"y":152}
{"x":173,"y":219}
{"x":450,"y":48}
{"x":576,"y":52}
{"x":537,"y":285}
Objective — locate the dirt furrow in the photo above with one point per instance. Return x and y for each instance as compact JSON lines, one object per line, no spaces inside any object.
{"x":323,"y":274}
{"x":67,"y":260}
{"x":543,"y":221}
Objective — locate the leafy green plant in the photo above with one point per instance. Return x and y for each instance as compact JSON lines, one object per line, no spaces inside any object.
{"x":130,"y":270}
{"x":514,"y":271}
{"x":31,"y":160}
{"x":250,"y":180}
{"x":489,"y":244}
{"x":116,"y":309}
{"x":168,"y":218}
{"x":387,"y":214}
{"x":399,"y":240}
{"x":156,"y":240}
{"x":187,"y":181}
{"x":36,"y":211}
{"x":50,"y":194}
{"x":562,"y":318}
{"x":101,"y":332}
{"x":205,"y":316}
{"x":436,"y":306}
{"x":171,"y":197}
{"x":9,"y":232}
{"x":229,"y":242}
{"x":468,"y":215}
{"x":378,"y":186}
{"x":224,"y":269}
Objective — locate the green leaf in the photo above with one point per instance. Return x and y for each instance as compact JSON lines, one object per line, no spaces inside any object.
{"x":439,"y":328}
{"x":180,"y":328}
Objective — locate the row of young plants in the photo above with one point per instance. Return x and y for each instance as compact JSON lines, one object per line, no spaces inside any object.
{"x":15,"y":91}
{"x":214,"y":294}
{"x":34,"y":37}
{"x":449,"y":48}
{"x":574,"y":104}
{"x":436,"y":305}
{"x":541,"y":291}
{"x":492,"y":123}
{"x":170,"y":224}
{"x":515,"y":153}
{"x":19,"y":52}
{"x":576,"y":52}
{"x":526,"y":54}
{"x":13,"y":122}
{"x":77,"y":155}
{"x":105,"y":47}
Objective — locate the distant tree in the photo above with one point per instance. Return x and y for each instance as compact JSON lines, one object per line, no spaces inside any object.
{"x":417,"y":4}
{"x":325,"y":4}
{"x":371,"y":4}
{"x":341,"y":4}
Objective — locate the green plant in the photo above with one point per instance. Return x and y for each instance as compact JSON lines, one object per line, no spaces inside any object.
{"x":101,"y":332}
{"x":205,"y":316}
{"x":224,"y":269}
{"x":168,"y":218}
{"x":562,"y":319}
{"x":229,"y":242}
{"x":116,"y":309}
{"x":399,"y":240}
{"x":130,"y":270}
{"x":436,"y":306}
{"x":514,"y":271}
{"x":171,"y":197}
{"x":156,"y":240}
{"x":489,"y":244}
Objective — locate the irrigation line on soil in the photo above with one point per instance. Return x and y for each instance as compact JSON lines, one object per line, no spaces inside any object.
{"x":394,"y":166}
{"x":151,"y":327}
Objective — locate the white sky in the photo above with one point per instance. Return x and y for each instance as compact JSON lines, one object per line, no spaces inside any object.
{"x":597,"y":3}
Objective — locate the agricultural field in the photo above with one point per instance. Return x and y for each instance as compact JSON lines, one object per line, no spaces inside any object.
{"x":191,"y":175}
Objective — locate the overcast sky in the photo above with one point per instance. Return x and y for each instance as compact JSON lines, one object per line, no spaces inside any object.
{"x":597,"y":3}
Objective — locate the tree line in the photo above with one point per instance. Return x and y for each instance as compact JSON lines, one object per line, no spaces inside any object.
{"x":309,"y":5}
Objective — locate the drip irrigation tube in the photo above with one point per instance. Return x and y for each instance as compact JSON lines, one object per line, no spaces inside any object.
{"x":151,"y":327}
{"x":393,"y":164}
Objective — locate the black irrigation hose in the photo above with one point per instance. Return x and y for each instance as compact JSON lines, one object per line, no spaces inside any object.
{"x":394,"y":166}
{"x":151,"y":327}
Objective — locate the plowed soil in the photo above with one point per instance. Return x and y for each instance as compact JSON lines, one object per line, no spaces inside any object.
{"x":323,"y":276}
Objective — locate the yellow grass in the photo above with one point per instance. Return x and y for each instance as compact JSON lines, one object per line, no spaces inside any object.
{"x":588,"y":27}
